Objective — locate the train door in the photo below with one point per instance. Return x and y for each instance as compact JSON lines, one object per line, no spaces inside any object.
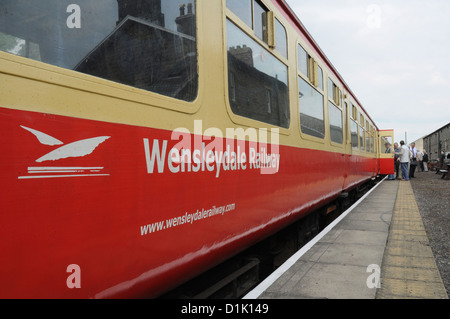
{"x":386,"y":151}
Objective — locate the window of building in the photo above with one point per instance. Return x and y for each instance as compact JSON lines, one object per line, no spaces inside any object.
{"x":336,"y":124}
{"x":269,"y":100}
{"x":150,"y":45}
{"x":311,"y":110}
{"x":232,"y":87}
{"x":258,"y":76}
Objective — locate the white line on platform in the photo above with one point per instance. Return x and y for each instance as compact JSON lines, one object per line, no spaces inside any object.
{"x":255,"y":293}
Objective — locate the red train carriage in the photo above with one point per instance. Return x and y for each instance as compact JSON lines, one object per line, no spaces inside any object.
{"x":144,"y":142}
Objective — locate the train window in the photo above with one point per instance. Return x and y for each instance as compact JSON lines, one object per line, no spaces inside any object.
{"x":260,"y":24}
{"x":311,"y":110}
{"x":361,"y":138}
{"x":150,"y":45}
{"x":354,"y":133}
{"x":354,"y":113}
{"x":371,"y":143}
{"x":336,"y":124}
{"x":333,"y":92}
{"x":320,"y":78}
{"x":303,"y":61}
{"x":254,"y":14}
{"x":243,"y":9}
{"x":260,"y":81}
{"x":367,"y":141}
{"x":386,"y":144}
{"x":281,"y":38}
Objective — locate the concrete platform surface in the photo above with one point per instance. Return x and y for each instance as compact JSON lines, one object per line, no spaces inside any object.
{"x":360,"y":256}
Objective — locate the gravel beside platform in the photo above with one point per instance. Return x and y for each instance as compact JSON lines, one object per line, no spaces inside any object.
{"x":433,"y":198}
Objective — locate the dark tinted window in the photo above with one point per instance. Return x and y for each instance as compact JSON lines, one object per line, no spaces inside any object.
{"x":148,"y":44}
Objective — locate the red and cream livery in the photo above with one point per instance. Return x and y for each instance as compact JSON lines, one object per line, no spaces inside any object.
{"x":144,"y":142}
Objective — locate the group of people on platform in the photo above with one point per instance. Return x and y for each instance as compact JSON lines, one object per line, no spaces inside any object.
{"x":407,"y":156}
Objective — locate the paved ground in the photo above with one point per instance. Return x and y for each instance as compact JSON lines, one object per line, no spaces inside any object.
{"x":385,"y":229}
{"x":433,"y":198}
{"x":409,"y":267}
{"x":340,"y":264}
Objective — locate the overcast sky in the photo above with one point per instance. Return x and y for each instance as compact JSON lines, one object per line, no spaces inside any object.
{"x":394,"y":55}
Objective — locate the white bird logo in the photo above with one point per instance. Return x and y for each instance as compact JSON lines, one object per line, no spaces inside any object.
{"x":76,"y":149}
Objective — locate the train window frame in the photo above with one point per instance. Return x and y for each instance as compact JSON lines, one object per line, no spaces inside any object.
{"x":243,"y":119}
{"x":65,"y":77}
{"x":320,"y":77}
{"x":334,"y":92}
{"x":353,"y":125}
{"x":332,"y":108}
{"x":248,"y":18}
{"x":281,"y":33}
{"x":362,"y":140}
{"x":311,"y":77}
{"x":303,"y":65}
{"x":305,"y":135}
{"x":260,"y":26}
{"x":354,"y":112}
{"x":309,"y":68}
{"x":372,"y":143}
{"x":250,"y":30}
{"x":263,"y":29}
{"x":367,"y":141}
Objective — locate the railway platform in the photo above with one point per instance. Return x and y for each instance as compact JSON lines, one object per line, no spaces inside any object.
{"x":377,"y":249}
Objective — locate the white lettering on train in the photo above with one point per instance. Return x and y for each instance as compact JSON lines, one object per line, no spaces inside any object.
{"x":219,"y":155}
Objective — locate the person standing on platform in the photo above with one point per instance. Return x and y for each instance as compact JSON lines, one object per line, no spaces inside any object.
{"x":413,"y":164}
{"x":397,"y":161}
{"x":404,"y":160}
{"x":420,"y":161}
{"x":425,"y":161}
